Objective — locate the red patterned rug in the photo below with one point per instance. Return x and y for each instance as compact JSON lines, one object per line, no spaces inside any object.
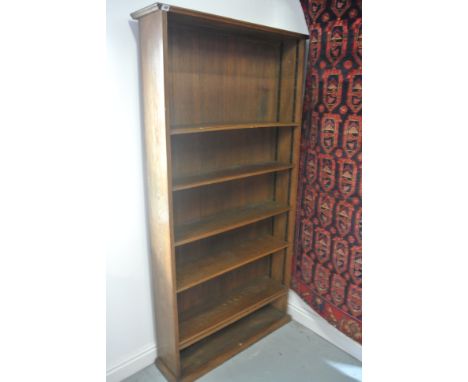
{"x":327,"y":260}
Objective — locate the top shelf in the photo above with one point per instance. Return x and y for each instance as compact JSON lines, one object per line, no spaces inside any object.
{"x":212,"y":128}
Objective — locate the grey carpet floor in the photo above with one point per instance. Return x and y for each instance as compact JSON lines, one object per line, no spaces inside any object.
{"x":292,"y":353}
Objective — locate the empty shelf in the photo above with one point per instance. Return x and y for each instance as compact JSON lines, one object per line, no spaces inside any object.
{"x":201,"y":357}
{"x":205,"y":319}
{"x":226,"y":221}
{"x":210,"y":128}
{"x":225,"y":175}
{"x":193,"y":269}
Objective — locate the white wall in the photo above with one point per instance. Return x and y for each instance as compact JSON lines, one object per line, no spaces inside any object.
{"x":130,"y":336}
{"x":305,"y":315}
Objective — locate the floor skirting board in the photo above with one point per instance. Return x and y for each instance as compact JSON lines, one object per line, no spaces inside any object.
{"x":131,"y":365}
{"x":299,"y":312}
{"x":303,"y":314}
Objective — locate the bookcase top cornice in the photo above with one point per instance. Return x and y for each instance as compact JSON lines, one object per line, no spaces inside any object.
{"x":208,"y":17}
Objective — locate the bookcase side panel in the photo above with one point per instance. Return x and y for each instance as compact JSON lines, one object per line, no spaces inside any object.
{"x":290,"y":107}
{"x":296,"y":143}
{"x":153,"y":45}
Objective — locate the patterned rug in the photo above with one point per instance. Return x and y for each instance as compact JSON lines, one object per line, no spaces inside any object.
{"x":327,"y":260}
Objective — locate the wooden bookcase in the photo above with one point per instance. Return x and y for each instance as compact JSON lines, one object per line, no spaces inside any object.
{"x":222,"y":113}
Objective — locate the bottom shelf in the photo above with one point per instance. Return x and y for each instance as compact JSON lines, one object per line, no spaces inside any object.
{"x":210,"y":352}
{"x":205,"y":319}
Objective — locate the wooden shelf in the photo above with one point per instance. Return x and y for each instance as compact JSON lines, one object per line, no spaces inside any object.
{"x":214,"y":350}
{"x":226,"y":221}
{"x":208,"y":318}
{"x":211,"y":128}
{"x":200,"y":267}
{"x":228,"y":174}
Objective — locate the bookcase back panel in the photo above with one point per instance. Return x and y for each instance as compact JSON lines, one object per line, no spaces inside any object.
{"x":202,"y":153}
{"x":194,"y":300}
{"x":230,"y":238}
{"x":221,"y":77}
{"x":198,"y":203}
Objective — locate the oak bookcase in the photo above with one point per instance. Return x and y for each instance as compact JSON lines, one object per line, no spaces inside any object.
{"x":222,"y":114}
